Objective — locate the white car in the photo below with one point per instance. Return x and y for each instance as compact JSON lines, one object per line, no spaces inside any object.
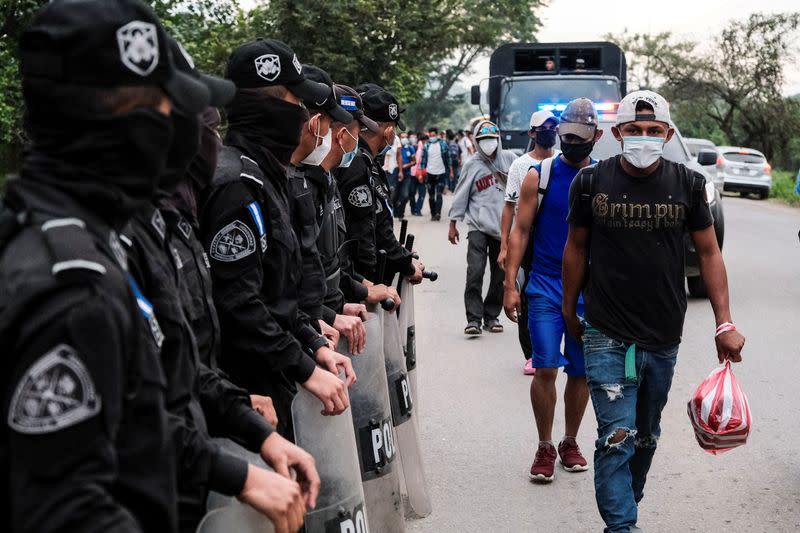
{"x":744,"y":170}
{"x":695,"y":146}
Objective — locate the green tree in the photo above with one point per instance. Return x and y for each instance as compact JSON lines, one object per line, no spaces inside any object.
{"x":731,"y":87}
{"x":418,"y":50}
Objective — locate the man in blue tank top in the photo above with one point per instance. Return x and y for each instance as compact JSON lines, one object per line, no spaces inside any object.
{"x":544,"y":199}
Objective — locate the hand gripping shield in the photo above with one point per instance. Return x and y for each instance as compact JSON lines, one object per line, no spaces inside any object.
{"x":216,"y":500}
{"x":404,"y":417}
{"x":372,"y":421}
{"x":331,"y":441}
{"x":235,"y":517}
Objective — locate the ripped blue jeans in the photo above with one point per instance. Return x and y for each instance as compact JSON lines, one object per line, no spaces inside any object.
{"x":628,"y":413}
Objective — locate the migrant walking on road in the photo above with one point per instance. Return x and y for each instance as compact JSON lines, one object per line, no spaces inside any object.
{"x":543,"y":207}
{"x":627,"y":221}
{"x":542,"y":133}
{"x":479,"y":200}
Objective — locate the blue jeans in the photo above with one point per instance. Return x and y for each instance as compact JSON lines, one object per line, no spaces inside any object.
{"x":392,"y":178}
{"x":628,"y":416}
{"x":416,"y":196}
{"x":436,"y":184}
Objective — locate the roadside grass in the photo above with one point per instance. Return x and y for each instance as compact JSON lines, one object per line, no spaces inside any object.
{"x":783,"y":184}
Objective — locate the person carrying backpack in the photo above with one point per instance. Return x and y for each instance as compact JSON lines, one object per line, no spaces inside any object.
{"x":544,"y":198}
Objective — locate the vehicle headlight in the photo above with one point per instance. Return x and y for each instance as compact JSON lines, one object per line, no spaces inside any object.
{"x":710,"y":192}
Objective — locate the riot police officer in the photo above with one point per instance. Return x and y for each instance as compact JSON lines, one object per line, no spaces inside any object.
{"x":307,"y":188}
{"x":268,"y":344}
{"x":86,"y":435}
{"x":365,"y":188}
{"x":155,"y":262}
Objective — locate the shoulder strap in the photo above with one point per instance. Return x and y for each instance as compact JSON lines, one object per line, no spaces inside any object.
{"x":545,"y":171}
{"x":587,"y":182}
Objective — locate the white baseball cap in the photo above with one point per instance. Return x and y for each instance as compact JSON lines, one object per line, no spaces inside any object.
{"x":540,"y":117}
{"x":627,"y":108}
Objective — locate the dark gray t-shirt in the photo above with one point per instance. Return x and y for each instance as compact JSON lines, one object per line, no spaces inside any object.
{"x":635,"y":291}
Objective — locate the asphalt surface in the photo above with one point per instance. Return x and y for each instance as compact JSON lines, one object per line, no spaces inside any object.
{"x":477,"y":428}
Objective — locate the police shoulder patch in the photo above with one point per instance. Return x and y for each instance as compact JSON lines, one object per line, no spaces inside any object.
{"x":56,"y":392}
{"x":233,"y":242}
{"x":360,"y":196}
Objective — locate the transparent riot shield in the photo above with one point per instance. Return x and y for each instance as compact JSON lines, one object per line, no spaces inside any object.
{"x":237,"y":518}
{"x":405,"y":316}
{"x":216,"y":500}
{"x":403,"y":413}
{"x":331,"y":441}
{"x":374,"y":435}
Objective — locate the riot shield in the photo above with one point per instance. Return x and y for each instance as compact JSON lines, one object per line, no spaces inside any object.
{"x":331,"y":441}
{"x":372,"y":421}
{"x":235,"y":517}
{"x":405,"y":316}
{"x":216,"y":500}
{"x":403,"y":412}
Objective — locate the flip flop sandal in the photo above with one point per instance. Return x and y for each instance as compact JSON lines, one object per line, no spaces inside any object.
{"x":494,"y":327}
{"x":472,"y":329}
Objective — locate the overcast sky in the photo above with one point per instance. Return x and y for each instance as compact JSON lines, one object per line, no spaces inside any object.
{"x":698,"y":20}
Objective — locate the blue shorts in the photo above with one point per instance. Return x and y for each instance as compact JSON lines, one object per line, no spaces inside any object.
{"x":546,"y":324}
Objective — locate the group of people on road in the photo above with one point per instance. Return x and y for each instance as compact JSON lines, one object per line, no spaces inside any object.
{"x":161,"y":285}
{"x":425,"y":162}
{"x":587,"y":257}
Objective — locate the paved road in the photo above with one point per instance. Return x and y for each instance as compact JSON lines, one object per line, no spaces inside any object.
{"x":478,"y":433}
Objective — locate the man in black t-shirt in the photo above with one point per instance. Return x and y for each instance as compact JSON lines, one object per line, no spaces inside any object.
{"x":628,"y":216}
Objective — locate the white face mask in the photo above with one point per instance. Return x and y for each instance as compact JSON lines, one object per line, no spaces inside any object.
{"x":488,"y":146}
{"x":642,"y":152}
{"x":320,"y":152}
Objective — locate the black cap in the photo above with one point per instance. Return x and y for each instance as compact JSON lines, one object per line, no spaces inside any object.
{"x":330,"y":105}
{"x":222,"y":91}
{"x":379,"y":104}
{"x":266,"y":63}
{"x":105,"y":43}
{"x":350,"y":100}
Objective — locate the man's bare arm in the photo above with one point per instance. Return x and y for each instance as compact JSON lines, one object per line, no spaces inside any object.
{"x":505,"y":229}
{"x":715,"y":277}
{"x":518,"y":240}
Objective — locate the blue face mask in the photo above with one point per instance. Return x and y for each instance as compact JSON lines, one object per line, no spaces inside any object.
{"x":384,"y":151}
{"x":348,"y":157}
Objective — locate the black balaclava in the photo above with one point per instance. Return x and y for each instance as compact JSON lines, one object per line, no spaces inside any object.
{"x":109,"y":163}
{"x":184,"y":147}
{"x":202,"y":167}
{"x":268,"y":129}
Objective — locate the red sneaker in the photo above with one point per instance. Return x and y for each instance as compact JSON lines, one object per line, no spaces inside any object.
{"x":571,"y":457}
{"x":544,"y":463}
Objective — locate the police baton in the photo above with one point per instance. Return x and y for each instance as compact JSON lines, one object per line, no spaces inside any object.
{"x":430,"y":275}
{"x":389,"y":303}
{"x":403,"y":231}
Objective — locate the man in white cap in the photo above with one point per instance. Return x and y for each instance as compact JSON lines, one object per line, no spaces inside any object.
{"x":543,"y":136}
{"x":545,"y":199}
{"x":627,"y":220}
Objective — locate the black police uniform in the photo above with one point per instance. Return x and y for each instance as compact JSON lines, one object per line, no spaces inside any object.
{"x":86,"y":443}
{"x":226,"y":406}
{"x":369,"y":220}
{"x":355,"y":186}
{"x":341,"y":286}
{"x":201,"y":464}
{"x":306,"y":196}
{"x":267,"y":343}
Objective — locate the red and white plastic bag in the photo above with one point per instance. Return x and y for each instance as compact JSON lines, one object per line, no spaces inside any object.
{"x":719,"y":412}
